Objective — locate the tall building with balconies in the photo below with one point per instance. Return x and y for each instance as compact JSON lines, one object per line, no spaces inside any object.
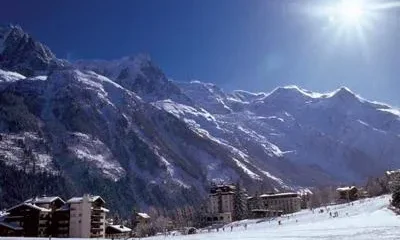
{"x":226,"y":203}
{"x":87,"y":217}
{"x":58,"y":223}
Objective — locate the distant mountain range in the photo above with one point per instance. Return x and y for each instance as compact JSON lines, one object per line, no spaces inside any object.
{"x":122,"y":129}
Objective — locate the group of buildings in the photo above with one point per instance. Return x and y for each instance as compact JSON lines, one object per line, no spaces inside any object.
{"x":80,"y":217}
{"x":85,"y":217}
{"x":226,"y":203}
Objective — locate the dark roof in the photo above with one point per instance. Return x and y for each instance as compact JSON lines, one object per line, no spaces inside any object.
{"x":29,"y":205}
{"x":12,"y":226}
{"x":222,"y":188}
{"x":64,"y":207}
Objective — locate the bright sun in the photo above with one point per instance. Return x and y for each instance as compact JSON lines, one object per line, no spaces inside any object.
{"x":349,"y":12}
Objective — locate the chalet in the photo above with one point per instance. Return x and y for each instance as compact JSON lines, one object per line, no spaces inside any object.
{"x":118,"y":231}
{"x":8,"y":228}
{"x":36,"y":217}
{"x":59,"y":226}
{"x":141,"y":219}
{"x":52,"y":217}
{"x":35,"y":221}
{"x":347,"y":194}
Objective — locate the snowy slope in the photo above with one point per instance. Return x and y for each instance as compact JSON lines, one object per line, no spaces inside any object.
{"x":366,"y":219}
{"x":336,"y":136}
{"x":138,"y":74}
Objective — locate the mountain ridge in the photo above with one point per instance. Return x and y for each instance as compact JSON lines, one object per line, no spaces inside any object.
{"x":123,"y":129}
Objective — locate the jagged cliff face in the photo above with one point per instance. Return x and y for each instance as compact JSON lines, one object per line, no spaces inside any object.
{"x":122,"y":129}
{"x":19,"y":52}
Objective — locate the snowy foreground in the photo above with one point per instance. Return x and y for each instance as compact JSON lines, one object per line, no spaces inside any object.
{"x":364,"y":220}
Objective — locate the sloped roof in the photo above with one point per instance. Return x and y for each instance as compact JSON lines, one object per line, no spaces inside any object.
{"x":33,"y":206}
{"x":43,"y":200}
{"x":64,"y":207}
{"x":342,"y":189}
{"x":120,"y":228}
{"x":393,"y":172}
{"x":143,"y":215}
{"x":80,"y":199}
{"x":11,"y":226}
{"x":278,"y":195}
{"x":102,"y":209}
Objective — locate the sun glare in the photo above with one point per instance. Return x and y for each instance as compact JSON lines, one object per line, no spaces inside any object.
{"x":348,"y":12}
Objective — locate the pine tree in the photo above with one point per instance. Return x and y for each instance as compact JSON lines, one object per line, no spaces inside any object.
{"x":396,"y":191}
{"x":239,"y":201}
{"x":396,"y":197}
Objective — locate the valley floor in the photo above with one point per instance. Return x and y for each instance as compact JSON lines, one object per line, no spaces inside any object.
{"x":367,"y":219}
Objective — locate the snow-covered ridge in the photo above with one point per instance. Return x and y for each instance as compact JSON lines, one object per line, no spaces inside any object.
{"x":7,"y":76}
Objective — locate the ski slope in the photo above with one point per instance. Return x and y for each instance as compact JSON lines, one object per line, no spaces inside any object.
{"x":367,"y":219}
{"x":364,"y":220}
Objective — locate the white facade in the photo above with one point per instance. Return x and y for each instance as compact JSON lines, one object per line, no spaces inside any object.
{"x":221,"y":203}
{"x":87,"y":217}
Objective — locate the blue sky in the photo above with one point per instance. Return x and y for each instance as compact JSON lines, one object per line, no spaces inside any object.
{"x":254,"y":45}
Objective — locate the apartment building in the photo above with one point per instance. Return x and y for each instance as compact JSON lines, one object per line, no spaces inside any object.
{"x":221,"y":204}
{"x":226,"y":203}
{"x":82,"y":217}
{"x":57,"y":217}
{"x":34,"y":218}
{"x":30,"y":220}
{"x":87,"y":217}
{"x":286,"y":202}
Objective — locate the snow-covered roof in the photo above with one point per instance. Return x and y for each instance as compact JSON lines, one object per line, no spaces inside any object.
{"x":277,"y":195}
{"x":102,"y":209}
{"x":3,"y":213}
{"x":143,"y":215}
{"x":80,"y":199}
{"x":120,"y":228}
{"x":342,"y":189}
{"x":43,"y":200}
{"x":30,"y":206}
{"x":393,"y":172}
{"x":265,"y":210}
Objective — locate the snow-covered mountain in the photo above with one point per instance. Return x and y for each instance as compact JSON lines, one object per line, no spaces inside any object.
{"x":21,"y":53}
{"x":341,"y":134}
{"x":121,"y":129}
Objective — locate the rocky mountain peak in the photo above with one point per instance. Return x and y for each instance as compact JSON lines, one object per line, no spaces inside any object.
{"x":22,"y":54}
